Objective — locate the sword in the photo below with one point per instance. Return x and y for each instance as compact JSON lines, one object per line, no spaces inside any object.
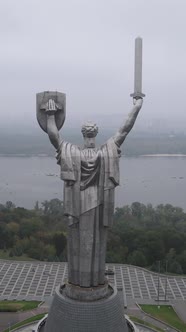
{"x":138,"y":70}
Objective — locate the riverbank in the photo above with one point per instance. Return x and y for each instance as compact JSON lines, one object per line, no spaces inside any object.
{"x":164,"y":155}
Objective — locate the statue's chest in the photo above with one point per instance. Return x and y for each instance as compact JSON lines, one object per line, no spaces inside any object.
{"x":89,"y":155}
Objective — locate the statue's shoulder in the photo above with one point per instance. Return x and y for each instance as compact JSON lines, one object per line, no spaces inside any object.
{"x":110,"y":147}
{"x":67,"y":150}
{"x":65,"y":144}
{"x":109,"y":142}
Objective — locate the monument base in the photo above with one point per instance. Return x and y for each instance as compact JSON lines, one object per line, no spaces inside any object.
{"x":69,"y":315}
{"x":87,"y":294}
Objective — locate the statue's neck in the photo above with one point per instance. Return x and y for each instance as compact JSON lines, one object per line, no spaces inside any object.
{"x":89,"y":142}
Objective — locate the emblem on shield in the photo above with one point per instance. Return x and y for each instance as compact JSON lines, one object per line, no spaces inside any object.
{"x":42,"y":100}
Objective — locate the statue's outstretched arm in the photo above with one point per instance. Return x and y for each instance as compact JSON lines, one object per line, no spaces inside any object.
{"x":52,"y":130}
{"x":127,"y":126}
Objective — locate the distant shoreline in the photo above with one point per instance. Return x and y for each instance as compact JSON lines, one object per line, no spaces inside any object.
{"x":25,"y":155}
{"x":163,"y":155}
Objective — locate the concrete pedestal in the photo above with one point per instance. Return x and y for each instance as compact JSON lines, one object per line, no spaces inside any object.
{"x":69,"y":315}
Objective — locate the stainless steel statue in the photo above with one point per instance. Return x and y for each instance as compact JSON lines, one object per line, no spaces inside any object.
{"x":90,"y":176}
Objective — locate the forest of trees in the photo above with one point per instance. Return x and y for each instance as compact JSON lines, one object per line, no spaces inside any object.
{"x":142,"y":235}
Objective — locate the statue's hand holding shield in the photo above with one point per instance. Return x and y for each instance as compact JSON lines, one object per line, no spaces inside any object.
{"x":51,"y":103}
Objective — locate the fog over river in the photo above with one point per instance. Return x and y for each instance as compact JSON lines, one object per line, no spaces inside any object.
{"x":156,"y":180}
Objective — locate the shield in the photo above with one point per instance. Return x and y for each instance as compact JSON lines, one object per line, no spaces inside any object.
{"x":60,"y":100}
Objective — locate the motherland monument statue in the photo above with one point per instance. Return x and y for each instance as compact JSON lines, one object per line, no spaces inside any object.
{"x":90,"y":176}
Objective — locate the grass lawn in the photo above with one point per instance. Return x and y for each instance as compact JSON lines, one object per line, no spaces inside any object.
{"x":165,"y":313}
{"x":26,"y":321}
{"x":13,"y":306}
{"x":140,"y":321}
{"x":5,"y":255}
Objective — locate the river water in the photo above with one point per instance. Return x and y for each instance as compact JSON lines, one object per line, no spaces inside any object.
{"x":156,"y":180}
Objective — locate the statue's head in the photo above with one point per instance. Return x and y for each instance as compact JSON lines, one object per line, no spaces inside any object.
{"x":89,"y":131}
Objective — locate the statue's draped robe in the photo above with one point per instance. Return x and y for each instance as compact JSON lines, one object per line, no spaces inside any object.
{"x":90,"y":177}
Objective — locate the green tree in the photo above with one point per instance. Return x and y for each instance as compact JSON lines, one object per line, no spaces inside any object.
{"x":137,"y":258}
{"x":60,"y":242}
{"x":182,"y":261}
{"x":175,"y":267}
{"x":30,"y":226}
{"x":9,"y":205}
{"x":138,"y":209}
{"x":54,"y":207}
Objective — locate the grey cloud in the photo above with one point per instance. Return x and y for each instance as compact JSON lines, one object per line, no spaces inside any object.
{"x":86,"y":49}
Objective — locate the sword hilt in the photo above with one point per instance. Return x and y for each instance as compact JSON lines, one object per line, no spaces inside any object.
{"x":137,"y":95}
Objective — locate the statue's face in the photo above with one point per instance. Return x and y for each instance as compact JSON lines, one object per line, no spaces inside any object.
{"x":89,"y":142}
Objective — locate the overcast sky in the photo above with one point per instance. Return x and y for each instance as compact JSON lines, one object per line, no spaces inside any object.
{"x":85,"y":48}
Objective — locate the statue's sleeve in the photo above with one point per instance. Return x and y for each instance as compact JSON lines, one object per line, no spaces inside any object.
{"x":111,"y":154}
{"x":112,"y":162}
{"x":66,"y":154}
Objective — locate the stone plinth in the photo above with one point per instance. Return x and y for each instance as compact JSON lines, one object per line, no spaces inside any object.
{"x":69,"y":315}
{"x":87,"y":294}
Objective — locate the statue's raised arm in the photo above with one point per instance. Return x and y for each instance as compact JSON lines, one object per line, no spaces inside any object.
{"x":52,"y":130}
{"x":123,"y":131}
